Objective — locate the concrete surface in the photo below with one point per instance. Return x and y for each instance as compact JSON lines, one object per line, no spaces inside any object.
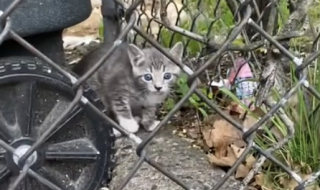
{"x":176,"y":156}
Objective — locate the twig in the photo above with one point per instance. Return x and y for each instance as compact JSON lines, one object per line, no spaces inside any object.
{"x":166,"y":22}
{"x":212,"y":46}
{"x":272,"y":17}
{"x":210,"y":42}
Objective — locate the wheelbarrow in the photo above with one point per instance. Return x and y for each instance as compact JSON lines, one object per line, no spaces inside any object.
{"x":47,"y":139}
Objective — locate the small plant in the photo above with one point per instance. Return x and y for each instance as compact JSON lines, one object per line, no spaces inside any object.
{"x":181,"y":90}
{"x":301,"y":153}
{"x":304,"y":148}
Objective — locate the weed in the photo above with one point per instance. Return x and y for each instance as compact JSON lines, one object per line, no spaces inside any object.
{"x":194,"y":102}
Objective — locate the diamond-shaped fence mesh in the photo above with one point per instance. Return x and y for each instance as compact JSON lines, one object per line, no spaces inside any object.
{"x":195,"y":23}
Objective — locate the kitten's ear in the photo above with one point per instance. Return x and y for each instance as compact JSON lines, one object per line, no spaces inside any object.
{"x":177,"y":50}
{"x":136,"y":56}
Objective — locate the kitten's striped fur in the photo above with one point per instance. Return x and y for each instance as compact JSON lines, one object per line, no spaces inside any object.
{"x":132,"y":82}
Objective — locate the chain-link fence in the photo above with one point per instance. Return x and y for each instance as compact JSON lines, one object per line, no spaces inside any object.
{"x":243,"y":11}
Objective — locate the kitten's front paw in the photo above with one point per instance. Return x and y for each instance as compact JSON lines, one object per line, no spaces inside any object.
{"x":152,"y":126}
{"x":131,"y":125}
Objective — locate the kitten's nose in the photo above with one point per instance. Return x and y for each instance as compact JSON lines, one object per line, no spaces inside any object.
{"x":158,"y":88}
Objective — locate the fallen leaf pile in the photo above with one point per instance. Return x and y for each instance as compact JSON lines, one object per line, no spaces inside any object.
{"x":226,"y":140}
{"x":227,"y":146}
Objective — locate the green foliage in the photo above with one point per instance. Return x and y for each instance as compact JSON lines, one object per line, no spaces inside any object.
{"x":314,"y":13}
{"x":283,"y":13}
{"x":194,"y":102}
{"x":202,"y":21}
{"x":314,"y":16}
{"x":101,"y":30}
{"x":302,"y":152}
{"x":303,"y":149}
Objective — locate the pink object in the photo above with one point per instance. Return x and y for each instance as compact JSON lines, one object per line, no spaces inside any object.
{"x":244,"y":88}
{"x":245,"y":71}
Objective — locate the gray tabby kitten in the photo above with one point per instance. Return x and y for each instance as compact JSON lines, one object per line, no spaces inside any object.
{"x":132,"y":82}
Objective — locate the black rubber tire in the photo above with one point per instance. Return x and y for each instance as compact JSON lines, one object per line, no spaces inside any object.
{"x":18,"y":71}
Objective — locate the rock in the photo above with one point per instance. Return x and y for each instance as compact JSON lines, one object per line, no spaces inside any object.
{"x":176,"y":156}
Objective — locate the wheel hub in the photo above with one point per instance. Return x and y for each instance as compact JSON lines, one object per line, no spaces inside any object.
{"x":20,"y":151}
{"x":77,"y":155}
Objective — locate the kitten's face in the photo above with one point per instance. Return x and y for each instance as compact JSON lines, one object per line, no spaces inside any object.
{"x":153,"y":70}
{"x":157,"y":78}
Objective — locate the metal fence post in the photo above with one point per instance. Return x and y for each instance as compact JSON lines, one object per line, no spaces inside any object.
{"x":111,"y":12}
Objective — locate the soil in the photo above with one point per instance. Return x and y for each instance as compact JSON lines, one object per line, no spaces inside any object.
{"x":174,"y":153}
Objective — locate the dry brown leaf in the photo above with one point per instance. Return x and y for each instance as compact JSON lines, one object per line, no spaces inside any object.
{"x":233,"y":152}
{"x":290,"y":184}
{"x":248,"y":122}
{"x":224,"y":161}
{"x":242,"y":171}
{"x":237,"y":150}
{"x":221,"y":136}
{"x":227,"y":142}
{"x":252,"y":118}
{"x":250,"y":160}
{"x":208,"y":121}
{"x":259,"y":179}
{"x":207,"y":137}
{"x":287,"y":183}
{"x":235,"y":109}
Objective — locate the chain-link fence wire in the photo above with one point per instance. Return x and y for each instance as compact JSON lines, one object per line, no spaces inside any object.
{"x":199,"y":20}
{"x":243,"y":20}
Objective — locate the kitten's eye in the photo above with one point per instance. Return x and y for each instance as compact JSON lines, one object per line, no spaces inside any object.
{"x":147,"y":77}
{"x":167,"y":76}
